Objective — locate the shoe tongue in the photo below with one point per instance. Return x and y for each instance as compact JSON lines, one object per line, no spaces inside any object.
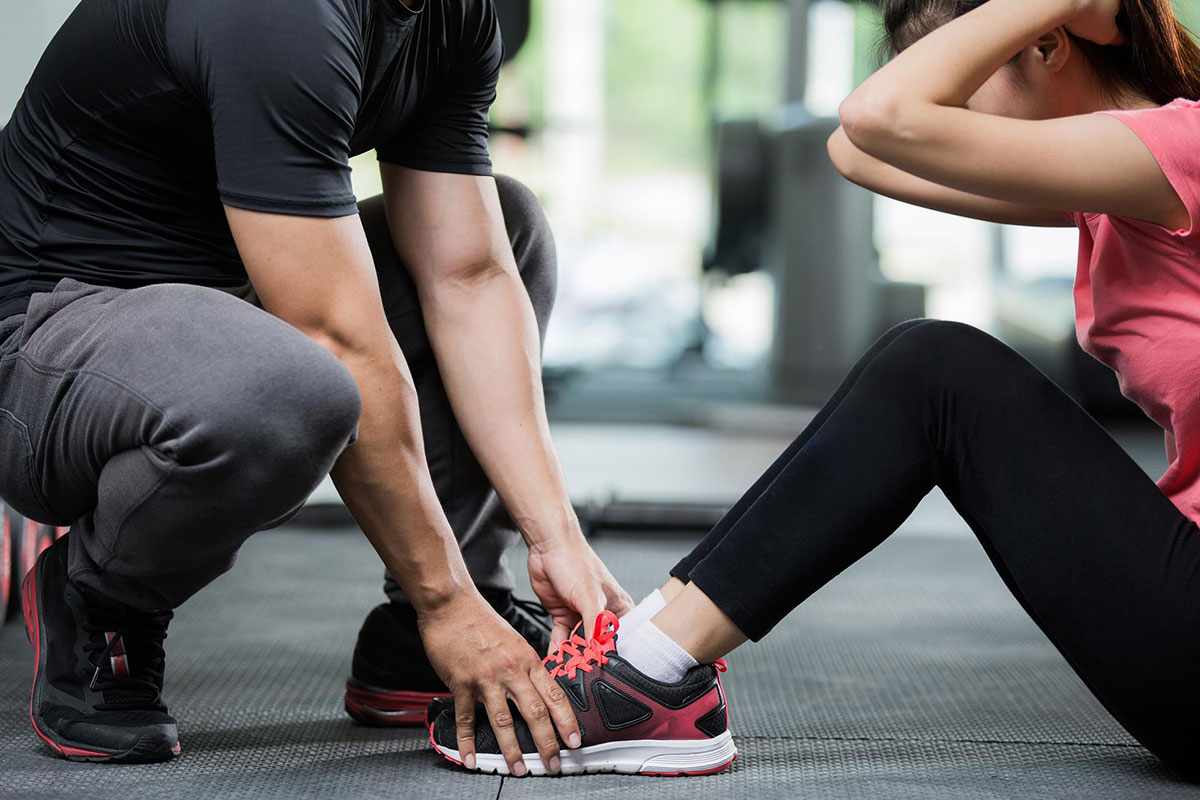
{"x":520,"y":615}
{"x":130,"y":674}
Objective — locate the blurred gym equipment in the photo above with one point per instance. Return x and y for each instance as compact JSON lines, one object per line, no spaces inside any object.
{"x":22,"y":540}
{"x":1037,"y":318}
{"x":780,"y":205}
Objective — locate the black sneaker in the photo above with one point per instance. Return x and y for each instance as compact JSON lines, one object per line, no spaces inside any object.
{"x":98,"y":671}
{"x":392,"y":683}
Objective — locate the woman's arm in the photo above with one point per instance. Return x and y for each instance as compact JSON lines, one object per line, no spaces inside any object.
{"x":911,"y":115}
{"x":881,"y":178}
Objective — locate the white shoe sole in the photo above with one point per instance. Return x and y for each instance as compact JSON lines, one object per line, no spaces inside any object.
{"x":635,"y":757}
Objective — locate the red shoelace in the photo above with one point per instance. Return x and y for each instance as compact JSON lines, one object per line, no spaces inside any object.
{"x":594,"y":650}
{"x":576,"y":654}
{"x":567,"y":648}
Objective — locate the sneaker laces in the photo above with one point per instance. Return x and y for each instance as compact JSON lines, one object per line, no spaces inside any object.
{"x":571,"y":646}
{"x":126,"y":652}
{"x":595,"y":650}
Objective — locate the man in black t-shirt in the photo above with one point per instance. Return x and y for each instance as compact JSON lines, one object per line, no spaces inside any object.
{"x":198,"y":321}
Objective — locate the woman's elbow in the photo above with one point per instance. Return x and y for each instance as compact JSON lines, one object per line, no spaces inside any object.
{"x":874,"y":120}
{"x":842,"y":154}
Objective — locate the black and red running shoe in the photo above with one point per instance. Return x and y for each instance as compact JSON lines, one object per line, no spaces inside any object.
{"x":630,"y":722}
{"x":392,"y":683}
{"x":98,"y":671}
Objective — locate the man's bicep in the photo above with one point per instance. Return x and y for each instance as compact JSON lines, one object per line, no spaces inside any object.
{"x":444,"y":226}
{"x":314,"y":273}
{"x":282,"y":97}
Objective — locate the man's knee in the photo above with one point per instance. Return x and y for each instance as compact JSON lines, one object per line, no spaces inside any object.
{"x":532,"y":244}
{"x":281,"y":429}
{"x":521,"y":207}
{"x":310,"y":410}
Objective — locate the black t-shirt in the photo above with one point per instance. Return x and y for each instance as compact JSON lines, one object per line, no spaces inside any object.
{"x":144,"y":116}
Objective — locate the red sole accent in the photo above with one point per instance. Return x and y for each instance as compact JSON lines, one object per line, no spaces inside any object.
{"x":438,"y":750}
{"x":399,"y":709}
{"x":29,"y":593}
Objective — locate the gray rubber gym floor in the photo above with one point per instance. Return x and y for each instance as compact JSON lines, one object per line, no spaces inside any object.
{"x":915,"y":675}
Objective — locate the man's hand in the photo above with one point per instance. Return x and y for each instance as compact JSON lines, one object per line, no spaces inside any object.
{"x":573,"y":583}
{"x":480,"y":657}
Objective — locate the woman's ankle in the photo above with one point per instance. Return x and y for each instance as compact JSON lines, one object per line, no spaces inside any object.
{"x":694,"y":622}
{"x":671,"y":589}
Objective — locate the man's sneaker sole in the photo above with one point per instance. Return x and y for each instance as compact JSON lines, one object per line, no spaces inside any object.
{"x":380,"y":708}
{"x":667,"y":758}
{"x":146,"y":750}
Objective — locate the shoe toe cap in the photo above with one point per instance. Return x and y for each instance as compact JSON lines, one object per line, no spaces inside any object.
{"x":444,"y":731}
{"x":137,"y":736}
{"x":435,"y":708}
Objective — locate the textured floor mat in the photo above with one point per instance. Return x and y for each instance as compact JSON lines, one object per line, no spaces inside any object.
{"x":914,"y":675}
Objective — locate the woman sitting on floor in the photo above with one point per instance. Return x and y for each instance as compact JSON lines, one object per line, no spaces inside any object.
{"x":1035,"y":112}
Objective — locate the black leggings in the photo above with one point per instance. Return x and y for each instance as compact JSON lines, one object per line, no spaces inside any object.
{"x":1101,"y":560}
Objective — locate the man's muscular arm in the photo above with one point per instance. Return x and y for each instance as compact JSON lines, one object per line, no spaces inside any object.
{"x":318,"y":275}
{"x":449,"y":231}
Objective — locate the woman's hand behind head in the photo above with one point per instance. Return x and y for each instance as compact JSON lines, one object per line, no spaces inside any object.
{"x":1097,"y":22}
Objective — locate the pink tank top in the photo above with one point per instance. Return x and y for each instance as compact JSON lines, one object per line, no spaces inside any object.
{"x":1137,"y":298}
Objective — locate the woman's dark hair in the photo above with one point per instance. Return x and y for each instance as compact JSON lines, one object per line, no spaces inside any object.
{"x":1160,"y":61}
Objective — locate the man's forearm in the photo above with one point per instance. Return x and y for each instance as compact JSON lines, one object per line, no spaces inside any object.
{"x":485,"y":336}
{"x":385,"y":483}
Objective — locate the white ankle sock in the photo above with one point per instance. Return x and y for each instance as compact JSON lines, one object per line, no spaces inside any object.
{"x":654,"y":653}
{"x":643,"y":611}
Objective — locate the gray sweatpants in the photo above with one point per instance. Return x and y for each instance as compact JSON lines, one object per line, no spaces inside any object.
{"x":166,"y":424}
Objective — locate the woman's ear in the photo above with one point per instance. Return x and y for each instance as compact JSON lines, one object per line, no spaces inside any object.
{"x":1053,"y":49}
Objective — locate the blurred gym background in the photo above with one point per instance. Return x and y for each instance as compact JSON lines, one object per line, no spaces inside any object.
{"x":717,"y":276}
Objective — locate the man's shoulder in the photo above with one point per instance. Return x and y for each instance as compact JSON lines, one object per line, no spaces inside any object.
{"x":200,"y":34}
{"x":459,"y":14}
{"x":262,"y":18}
{"x":468,"y":28}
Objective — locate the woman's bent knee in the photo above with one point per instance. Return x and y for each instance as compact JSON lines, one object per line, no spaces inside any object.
{"x":940,"y":355}
{"x":942,"y":343}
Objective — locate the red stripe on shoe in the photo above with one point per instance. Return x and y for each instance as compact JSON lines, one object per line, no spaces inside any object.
{"x":117,"y":658}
